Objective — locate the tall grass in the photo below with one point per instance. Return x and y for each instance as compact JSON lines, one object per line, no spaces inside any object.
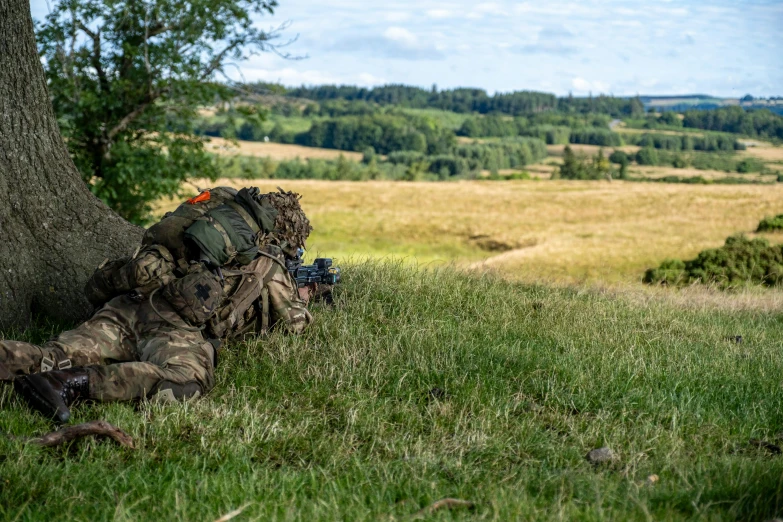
{"x":419,"y":385}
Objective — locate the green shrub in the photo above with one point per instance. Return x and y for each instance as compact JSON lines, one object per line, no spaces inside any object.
{"x":602,"y":137}
{"x":738,"y":262}
{"x":446,"y":165}
{"x":647,"y":156}
{"x":679,"y":162}
{"x":750,"y":165}
{"x":522,"y":175}
{"x":580,"y":167}
{"x":671,"y":272}
{"x":404,"y":157}
{"x":771,"y":224}
{"x":619,"y":157}
{"x":551,"y":134}
{"x":506,"y":154}
{"x":368,"y":155}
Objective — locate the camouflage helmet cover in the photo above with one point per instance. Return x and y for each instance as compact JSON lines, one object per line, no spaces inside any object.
{"x":292,"y":228}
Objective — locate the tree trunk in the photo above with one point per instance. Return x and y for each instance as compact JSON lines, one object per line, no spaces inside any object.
{"x":53,"y":231}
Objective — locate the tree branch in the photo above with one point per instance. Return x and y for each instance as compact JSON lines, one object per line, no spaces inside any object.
{"x":217,"y":61}
{"x":159,"y":29}
{"x":450,"y":503}
{"x":124,"y":122}
{"x":96,"y":54}
{"x":96,"y":428}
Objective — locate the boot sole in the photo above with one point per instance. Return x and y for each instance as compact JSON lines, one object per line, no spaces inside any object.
{"x":37,"y":401}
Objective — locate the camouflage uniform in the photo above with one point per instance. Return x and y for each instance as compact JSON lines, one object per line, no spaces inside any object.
{"x":142,"y":348}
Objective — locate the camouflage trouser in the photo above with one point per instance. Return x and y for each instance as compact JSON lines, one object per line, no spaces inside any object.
{"x":132,"y":353}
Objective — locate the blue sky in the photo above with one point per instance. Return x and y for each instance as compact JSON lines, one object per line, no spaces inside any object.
{"x":725,"y":48}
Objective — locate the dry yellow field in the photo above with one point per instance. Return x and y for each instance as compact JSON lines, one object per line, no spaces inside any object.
{"x":660,"y":172}
{"x":588,"y":150}
{"x":622,"y":129}
{"x":764,"y":151}
{"x":275,"y":151}
{"x":565,"y":231}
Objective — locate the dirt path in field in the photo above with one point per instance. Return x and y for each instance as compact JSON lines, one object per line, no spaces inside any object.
{"x":545,"y":246}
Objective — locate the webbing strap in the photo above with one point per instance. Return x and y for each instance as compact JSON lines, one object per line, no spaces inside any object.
{"x":230,"y":250}
{"x":265,"y":309}
{"x":274,"y":258}
{"x":245,"y":216}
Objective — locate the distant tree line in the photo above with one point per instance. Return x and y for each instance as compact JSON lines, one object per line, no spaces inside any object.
{"x":760,"y":123}
{"x":472,"y":157}
{"x":709,"y":142}
{"x":464,"y":100}
{"x":385,"y":133}
{"x":722,"y":161}
{"x":495,"y":125}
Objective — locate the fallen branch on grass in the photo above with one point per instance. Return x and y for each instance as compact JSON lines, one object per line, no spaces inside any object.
{"x":231,"y":514}
{"x":97,"y":428}
{"x":449,"y":503}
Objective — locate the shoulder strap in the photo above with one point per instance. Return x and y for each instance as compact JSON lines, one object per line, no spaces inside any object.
{"x":230,"y":250}
{"x":246,"y":217}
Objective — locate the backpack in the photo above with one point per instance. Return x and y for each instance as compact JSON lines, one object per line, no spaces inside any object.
{"x":233,"y":231}
{"x":170,"y":231}
{"x":219,"y":226}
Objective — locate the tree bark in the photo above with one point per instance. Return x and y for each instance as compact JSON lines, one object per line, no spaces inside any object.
{"x":53,"y":231}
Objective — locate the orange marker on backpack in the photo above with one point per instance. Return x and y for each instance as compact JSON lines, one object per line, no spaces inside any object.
{"x":204,"y":196}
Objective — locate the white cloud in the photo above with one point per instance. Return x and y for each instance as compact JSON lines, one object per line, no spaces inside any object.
{"x":401,"y":35}
{"x":397,"y":16}
{"x":395,"y":42}
{"x":487,"y":8}
{"x":439,"y":13}
{"x":581,"y":85}
{"x":490,"y":8}
{"x":290,"y":76}
{"x":367,"y":79}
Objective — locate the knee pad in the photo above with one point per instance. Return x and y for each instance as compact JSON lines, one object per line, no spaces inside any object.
{"x":168,"y":391}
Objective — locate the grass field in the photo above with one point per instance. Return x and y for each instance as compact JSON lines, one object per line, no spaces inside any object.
{"x":487,"y":380}
{"x":563,"y":231}
{"x":417,"y":386}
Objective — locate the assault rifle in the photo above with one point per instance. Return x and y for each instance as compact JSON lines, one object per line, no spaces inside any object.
{"x":321,"y":272}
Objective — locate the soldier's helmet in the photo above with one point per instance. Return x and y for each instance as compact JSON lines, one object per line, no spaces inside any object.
{"x":292,"y":228}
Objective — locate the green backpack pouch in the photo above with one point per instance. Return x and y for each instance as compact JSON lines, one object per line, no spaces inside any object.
{"x":234,"y":230}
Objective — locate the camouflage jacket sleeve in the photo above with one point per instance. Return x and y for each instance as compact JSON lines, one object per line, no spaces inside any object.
{"x":285,"y":305}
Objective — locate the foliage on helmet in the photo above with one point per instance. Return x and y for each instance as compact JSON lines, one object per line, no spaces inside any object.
{"x":291,"y":223}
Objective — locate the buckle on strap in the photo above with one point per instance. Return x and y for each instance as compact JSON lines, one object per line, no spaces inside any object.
{"x":47,"y":364}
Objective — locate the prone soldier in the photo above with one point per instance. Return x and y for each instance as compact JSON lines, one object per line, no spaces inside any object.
{"x":212,"y":270}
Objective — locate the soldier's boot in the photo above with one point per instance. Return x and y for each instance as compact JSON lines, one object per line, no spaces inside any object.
{"x":52,"y":393}
{"x":5,"y":373}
